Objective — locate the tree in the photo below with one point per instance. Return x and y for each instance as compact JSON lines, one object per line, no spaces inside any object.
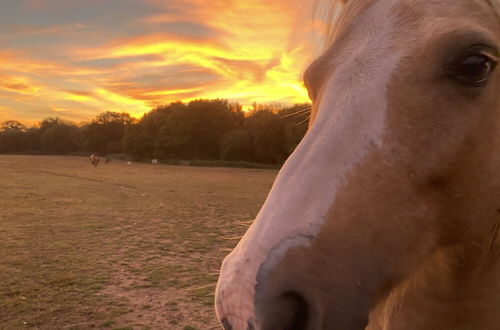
{"x":12,"y":137}
{"x":296,"y":120}
{"x":12,"y":125}
{"x":32,"y":140}
{"x":195,"y":131}
{"x":201,"y":129}
{"x":174,"y":139}
{"x":210,"y":120}
{"x":146,"y":139}
{"x":104,"y":133}
{"x":236,"y":146}
{"x":268,"y":137}
{"x":138,"y":142}
{"x":58,"y":136}
{"x":48,"y":123}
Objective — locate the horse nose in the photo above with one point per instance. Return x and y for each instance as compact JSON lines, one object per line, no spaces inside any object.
{"x":288,"y":311}
{"x":227,"y":326}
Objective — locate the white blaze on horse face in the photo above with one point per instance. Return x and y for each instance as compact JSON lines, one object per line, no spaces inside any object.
{"x":349,"y":126}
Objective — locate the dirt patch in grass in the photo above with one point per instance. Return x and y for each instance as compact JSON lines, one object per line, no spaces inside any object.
{"x":119,"y":246}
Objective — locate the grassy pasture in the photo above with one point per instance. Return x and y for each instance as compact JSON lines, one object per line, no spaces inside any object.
{"x":119,"y":246}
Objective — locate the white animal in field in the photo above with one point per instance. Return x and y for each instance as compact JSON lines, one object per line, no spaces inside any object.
{"x":94,"y":160}
{"x":154,"y":162}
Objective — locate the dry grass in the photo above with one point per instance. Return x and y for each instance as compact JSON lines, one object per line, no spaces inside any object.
{"x":118,"y":247}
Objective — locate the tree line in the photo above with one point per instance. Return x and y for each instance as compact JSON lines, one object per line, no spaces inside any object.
{"x":199,"y":130}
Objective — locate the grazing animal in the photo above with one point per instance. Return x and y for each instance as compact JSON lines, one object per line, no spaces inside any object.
{"x":154,"y":162}
{"x":387,"y":214}
{"x":94,"y":160}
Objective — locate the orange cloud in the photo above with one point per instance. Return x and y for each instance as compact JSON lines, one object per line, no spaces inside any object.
{"x":18,"y":84}
{"x":247,"y":51}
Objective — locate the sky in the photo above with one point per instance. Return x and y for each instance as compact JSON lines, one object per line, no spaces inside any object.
{"x":77,"y":58}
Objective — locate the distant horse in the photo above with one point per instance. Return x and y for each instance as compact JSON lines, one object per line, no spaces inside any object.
{"x":94,"y":160}
{"x":386,"y":216}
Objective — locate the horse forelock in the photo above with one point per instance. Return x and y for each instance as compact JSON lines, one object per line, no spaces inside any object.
{"x":338,"y":12}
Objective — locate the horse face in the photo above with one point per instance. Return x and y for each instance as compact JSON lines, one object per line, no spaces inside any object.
{"x":399,"y":162}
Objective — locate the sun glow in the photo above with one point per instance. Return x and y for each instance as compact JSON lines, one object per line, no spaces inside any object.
{"x":163,"y":51}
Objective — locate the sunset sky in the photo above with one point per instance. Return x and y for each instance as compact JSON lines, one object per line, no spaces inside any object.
{"x":77,"y":58}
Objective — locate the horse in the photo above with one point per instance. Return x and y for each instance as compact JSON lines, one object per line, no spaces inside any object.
{"x":94,"y":160}
{"x":387,"y":214}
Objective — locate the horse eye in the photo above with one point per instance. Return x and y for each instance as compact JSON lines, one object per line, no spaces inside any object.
{"x":474,"y":70}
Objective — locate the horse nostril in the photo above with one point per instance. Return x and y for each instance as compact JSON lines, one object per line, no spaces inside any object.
{"x":299,"y":316}
{"x":226,"y":325}
{"x":289,"y":312}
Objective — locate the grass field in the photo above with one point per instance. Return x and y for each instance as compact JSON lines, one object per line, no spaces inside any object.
{"x":119,"y":246}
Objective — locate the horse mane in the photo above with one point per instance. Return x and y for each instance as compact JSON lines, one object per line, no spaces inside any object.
{"x":338,"y":12}
{"x":335,"y":14}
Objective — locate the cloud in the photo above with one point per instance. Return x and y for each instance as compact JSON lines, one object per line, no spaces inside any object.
{"x":7,"y":114}
{"x":17,"y":30}
{"x":18,"y":85}
{"x":77,"y":58}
